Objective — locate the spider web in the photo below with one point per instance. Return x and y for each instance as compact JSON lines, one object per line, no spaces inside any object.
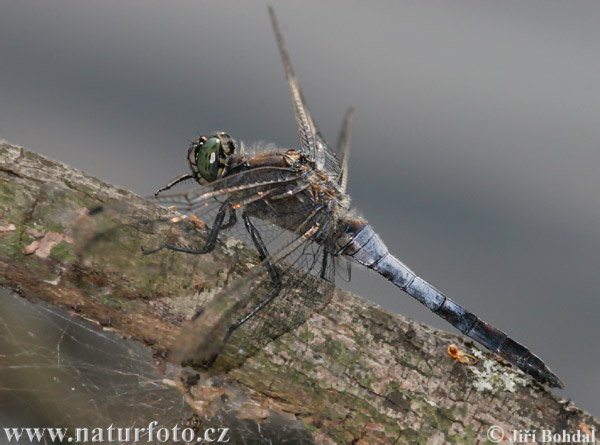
{"x":57,"y":370}
{"x":60,"y":370}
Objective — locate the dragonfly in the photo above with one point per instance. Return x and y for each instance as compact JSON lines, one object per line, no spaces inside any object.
{"x":292,"y":208}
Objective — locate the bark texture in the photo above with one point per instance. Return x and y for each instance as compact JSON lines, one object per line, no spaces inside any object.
{"x":352,"y":373}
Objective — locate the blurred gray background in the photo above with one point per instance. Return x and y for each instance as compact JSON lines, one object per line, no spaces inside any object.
{"x":475,"y":150}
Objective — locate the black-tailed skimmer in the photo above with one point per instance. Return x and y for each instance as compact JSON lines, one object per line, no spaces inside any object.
{"x":292,"y":207}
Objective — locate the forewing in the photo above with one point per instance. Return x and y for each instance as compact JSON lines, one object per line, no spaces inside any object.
{"x":236,"y":188}
{"x":311,"y":140}
{"x":251,"y":189}
{"x":111,"y":240}
{"x":343,"y":148}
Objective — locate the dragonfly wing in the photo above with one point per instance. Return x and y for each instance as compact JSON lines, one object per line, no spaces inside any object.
{"x":120,"y":226}
{"x":238,"y":190}
{"x":218,"y":214}
{"x":311,"y":140}
{"x":343,"y":147}
{"x":303,"y":261}
{"x":305,"y":270}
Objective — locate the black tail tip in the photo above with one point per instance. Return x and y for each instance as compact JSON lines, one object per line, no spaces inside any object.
{"x":555,"y":382}
{"x":545,"y":376}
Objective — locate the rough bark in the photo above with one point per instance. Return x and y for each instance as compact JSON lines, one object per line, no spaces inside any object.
{"x":353,"y":372}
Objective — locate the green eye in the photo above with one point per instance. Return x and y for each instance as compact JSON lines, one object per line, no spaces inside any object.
{"x":210,"y":159}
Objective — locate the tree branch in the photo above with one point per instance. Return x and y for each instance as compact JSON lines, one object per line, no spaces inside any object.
{"x":352,"y":372}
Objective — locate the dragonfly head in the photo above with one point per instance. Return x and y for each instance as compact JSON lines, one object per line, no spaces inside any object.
{"x":208,"y":156}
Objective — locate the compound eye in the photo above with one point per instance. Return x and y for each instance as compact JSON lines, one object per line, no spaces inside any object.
{"x":210,"y":159}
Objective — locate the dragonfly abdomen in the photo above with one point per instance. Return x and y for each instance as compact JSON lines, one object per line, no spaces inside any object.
{"x":361,"y":244}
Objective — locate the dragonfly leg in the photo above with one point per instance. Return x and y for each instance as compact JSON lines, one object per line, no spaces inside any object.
{"x":174,"y":182}
{"x":212,"y":236}
{"x":262,"y":249}
{"x":324,"y":263}
{"x":232,"y":220}
{"x":275,"y":278}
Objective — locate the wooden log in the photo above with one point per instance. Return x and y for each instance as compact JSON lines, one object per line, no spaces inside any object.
{"x":352,"y":373}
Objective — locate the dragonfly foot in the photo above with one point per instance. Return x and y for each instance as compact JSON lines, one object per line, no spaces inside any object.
{"x":149,"y":252}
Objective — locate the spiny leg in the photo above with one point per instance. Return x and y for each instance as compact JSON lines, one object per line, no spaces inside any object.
{"x":275,"y":279}
{"x":212,"y":236}
{"x":324,"y":264}
{"x":174,"y":182}
{"x":327,"y":249}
